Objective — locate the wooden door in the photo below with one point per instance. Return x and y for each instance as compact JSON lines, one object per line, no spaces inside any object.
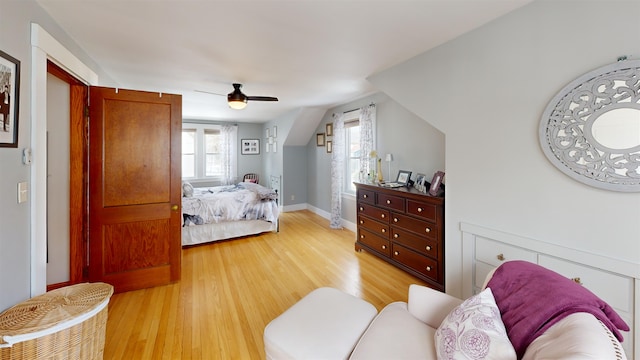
{"x":134,"y":191}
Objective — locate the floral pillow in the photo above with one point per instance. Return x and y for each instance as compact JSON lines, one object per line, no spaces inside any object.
{"x":474,"y":330}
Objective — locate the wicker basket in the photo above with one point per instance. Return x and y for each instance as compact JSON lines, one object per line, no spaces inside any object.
{"x":67,"y":323}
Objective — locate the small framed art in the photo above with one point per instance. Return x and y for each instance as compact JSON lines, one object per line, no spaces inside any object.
{"x":329,"y":129}
{"x":403,"y":177}
{"x":434,"y":189}
{"x":329,"y":146}
{"x":320,"y":139}
{"x":420,"y":183}
{"x":250,"y":146}
{"x":9,"y":100}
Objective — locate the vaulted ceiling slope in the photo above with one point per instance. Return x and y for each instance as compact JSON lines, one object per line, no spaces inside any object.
{"x":308,"y":53}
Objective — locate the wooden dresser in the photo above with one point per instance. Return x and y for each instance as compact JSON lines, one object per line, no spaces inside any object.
{"x":405,"y":228}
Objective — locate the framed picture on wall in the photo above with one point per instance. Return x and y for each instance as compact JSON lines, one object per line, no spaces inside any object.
{"x":250,"y":146}
{"x":320,"y":139}
{"x":329,"y":131}
{"x":9,"y":100}
{"x":329,"y":146}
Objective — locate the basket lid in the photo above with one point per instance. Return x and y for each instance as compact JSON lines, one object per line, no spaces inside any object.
{"x":51,"y":308}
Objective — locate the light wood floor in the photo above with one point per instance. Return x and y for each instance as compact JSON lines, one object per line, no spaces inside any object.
{"x":231,"y":290}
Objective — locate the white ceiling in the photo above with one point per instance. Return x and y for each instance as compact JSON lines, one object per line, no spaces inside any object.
{"x":308,"y":53}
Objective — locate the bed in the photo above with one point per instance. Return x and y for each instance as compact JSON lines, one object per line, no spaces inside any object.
{"x":225,"y":212}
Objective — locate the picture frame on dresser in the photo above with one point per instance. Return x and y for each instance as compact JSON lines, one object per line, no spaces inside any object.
{"x":434,"y":189}
{"x":420,"y":183}
{"x":403,"y":177}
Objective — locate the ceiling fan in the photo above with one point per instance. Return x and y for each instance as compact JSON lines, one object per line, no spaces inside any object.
{"x":238,"y":100}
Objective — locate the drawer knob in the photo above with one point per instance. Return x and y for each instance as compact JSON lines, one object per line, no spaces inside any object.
{"x":428,"y":248}
{"x":395,"y":219}
{"x":428,"y":268}
{"x":361,"y":236}
{"x":388,"y":202}
{"x":382,"y":216}
{"x":577,"y":280}
{"x":361,"y":208}
{"x":419,"y":209}
{"x":365,"y":196}
{"x":384,"y":247}
{"x":396,"y":236}
{"x":427,"y":230}
{"x":361,"y":222}
{"x":396,"y":253}
{"x":384,"y":231}
{"x":500,"y":257}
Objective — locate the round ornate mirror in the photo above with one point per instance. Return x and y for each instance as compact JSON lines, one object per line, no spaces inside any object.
{"x":591,"y":129}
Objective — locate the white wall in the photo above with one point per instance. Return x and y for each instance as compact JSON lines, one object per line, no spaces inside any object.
{"x":15,"y":219}
{"x":416,"y":146}
{"x":486,"y":91}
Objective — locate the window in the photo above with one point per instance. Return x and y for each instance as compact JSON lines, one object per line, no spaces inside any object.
{"x":213,"y":153}
{"x":202,"y":152}
{"x":352,"y":151}
{"x":188,"y":153}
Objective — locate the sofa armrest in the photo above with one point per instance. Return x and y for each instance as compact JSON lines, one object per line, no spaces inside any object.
{"x":430,"y":306}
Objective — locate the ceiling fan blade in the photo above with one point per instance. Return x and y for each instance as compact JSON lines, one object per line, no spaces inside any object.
{"x":262,"y":98}
{"x":209,"y":92}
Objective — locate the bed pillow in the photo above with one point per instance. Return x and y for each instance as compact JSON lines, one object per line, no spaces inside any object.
{"x":474,"y":330}
{"x":187,"y":189}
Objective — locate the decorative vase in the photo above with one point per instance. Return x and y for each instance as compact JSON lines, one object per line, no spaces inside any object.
{"x":379,"y":170}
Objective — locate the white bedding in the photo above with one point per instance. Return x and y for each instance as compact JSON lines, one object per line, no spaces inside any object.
{"x":243,"y":201}
{"x":225,"y":212}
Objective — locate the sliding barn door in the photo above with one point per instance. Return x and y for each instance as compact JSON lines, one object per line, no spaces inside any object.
{"x":134,"y":191}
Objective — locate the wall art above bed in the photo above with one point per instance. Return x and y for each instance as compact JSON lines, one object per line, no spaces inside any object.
{"x":591,"y":129}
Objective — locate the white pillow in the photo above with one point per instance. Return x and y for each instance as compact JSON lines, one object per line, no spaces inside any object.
{"x":474,"y":330}
{"x":187,"y":189}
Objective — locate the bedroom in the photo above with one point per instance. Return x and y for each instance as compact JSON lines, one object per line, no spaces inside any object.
{"x":496,"y":174}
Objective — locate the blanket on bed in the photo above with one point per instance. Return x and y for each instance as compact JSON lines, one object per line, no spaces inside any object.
{"x":532,"y":298}
{"x":243,"y":201}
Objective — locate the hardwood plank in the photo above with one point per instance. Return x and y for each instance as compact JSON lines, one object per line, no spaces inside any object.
{"x":231,"y":290}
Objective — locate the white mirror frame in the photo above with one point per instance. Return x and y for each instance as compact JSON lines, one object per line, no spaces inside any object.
{"x":565,"y":128}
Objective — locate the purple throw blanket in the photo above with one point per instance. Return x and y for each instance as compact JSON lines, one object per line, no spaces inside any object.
{"x":532,"y":298}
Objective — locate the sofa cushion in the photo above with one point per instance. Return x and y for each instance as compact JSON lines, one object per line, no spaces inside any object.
{"x":578,"y":336}
{"x":396,"y":334}
{"x":474,"y":330}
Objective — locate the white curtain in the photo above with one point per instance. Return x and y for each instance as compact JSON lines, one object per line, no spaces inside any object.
{"x":367,"y":139}
{"x":229,"y":153}
{"x":337,"y":171}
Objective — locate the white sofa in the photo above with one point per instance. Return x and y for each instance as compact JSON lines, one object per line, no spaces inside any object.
{"x":408,"y":331}
{"x":330,"y":324}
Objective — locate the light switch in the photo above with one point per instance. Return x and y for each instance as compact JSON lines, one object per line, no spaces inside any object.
{"x":23,"y":192}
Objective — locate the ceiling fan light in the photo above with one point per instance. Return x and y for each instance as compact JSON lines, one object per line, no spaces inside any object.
{"x":237,"y":104}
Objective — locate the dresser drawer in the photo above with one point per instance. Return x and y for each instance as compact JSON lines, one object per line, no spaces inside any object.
{"x":425,"y":246}
{"x":420,"y":263}
{"x":615,"y":290}
{"x":495,"y":253}
{"x":423,"y":210}
{"x":366,"y":196}
{"x":391,"y":202}
{"x":374,"y":241}
{"x":375,"y":227}
{"x":422,"y":228}
{"x":374,"y":212}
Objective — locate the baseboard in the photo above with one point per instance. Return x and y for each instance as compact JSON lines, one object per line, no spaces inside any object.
{"x":327,"y":215}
